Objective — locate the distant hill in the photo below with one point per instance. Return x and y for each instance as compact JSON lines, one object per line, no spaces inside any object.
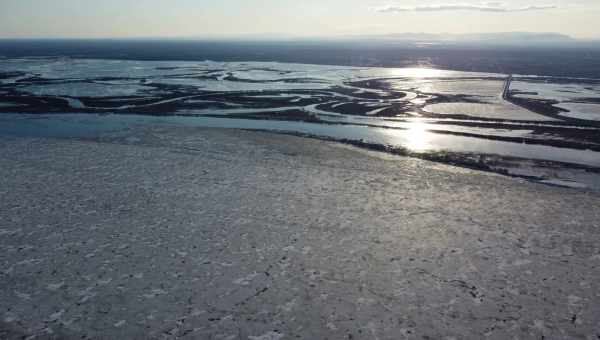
{"x":478,"y":36}
{"x":500,"y":38}
{"x":503,"y":38}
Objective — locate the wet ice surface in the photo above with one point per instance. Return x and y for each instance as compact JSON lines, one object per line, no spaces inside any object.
{"x":82,"y":89}
{"x":581,"y":110}
{"x":423,"y":112}
{"x":495,"y":110}
{"x":580,"y":99}
{"x":225,"y":234}
{"x":533,"y":161}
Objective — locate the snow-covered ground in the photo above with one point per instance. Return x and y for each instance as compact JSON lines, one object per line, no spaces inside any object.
{"x":163,"y":232}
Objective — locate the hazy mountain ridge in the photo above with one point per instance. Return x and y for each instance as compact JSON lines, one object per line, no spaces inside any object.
{"x":504,"y":38}
{"x":494,"y":37}
{"x":498,"y":36}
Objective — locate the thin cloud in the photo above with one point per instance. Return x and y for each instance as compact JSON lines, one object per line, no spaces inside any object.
{"x":489,"y":7}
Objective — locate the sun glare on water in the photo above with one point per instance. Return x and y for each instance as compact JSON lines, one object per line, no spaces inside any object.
{"x":416,"y":72}
{"x":415,"y":137}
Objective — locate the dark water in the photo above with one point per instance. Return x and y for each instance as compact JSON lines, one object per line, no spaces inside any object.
{"x":572,"y":60}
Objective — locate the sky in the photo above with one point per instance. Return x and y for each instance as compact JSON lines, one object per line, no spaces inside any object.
{"x":295,"y":18}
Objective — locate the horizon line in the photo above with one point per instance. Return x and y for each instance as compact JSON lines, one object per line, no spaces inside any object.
{"x":281,"y":36}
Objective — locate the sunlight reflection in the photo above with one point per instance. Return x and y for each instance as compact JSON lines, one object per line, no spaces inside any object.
{"x":417,"y":136}
{"x":414,"y":135}
{"x":416,"y":72}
